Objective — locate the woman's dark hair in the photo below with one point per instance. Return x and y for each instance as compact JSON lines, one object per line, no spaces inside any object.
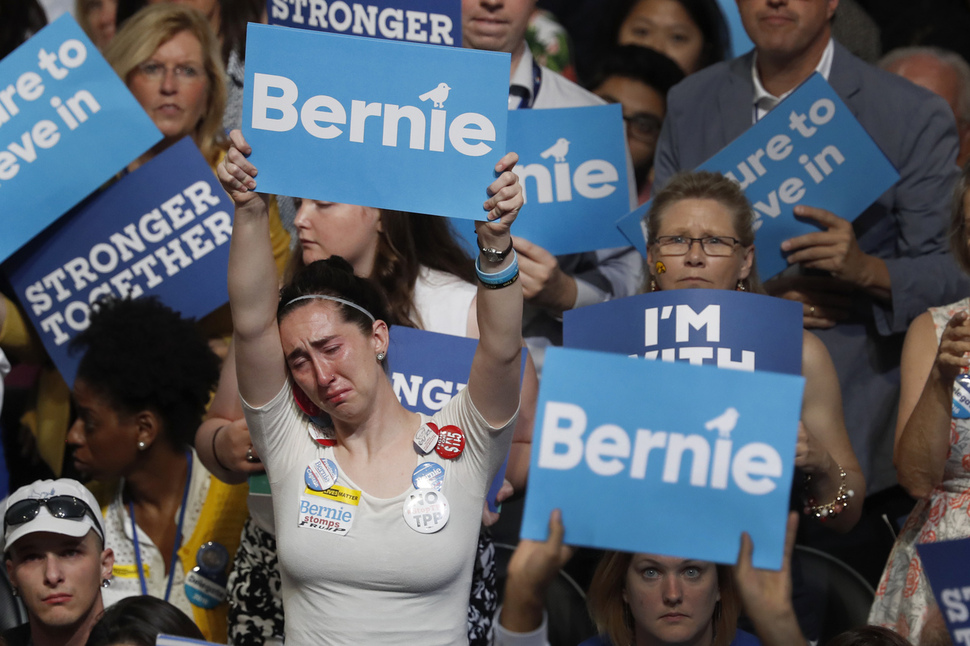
{"x":141,"y":355}
{"x":868,"y":636}
{"x":406,"y":242}
{"x":705,"y":14}
{"x":138,"y":621}
{"x":19,"y":20}
{"x":959,"y":234}
{"x":235,"y":15}
{"x":335,"y":277}
{"x":642,"y":64}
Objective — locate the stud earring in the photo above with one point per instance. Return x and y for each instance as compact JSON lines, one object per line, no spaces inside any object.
{"x":105,"y":583}
{"x":15,"y":592}
{"x":380,"y":356}
{"x":142,"y":446}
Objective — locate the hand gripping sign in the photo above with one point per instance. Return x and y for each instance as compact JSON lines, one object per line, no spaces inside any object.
{"x":809,"y":150}
{"x":67,"y":125}
{"x":378,"y":123}
{"x":666,"y":458}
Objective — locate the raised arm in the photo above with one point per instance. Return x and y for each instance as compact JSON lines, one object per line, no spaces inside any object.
{"x":927,"y":371}
{"x":253,"y":296}
{"x":494,"y":379}
{"x":823,"y":443}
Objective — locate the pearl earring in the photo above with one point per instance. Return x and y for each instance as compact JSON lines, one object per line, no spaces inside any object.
{"x":142,"y":446}
{"x":380,"y":356}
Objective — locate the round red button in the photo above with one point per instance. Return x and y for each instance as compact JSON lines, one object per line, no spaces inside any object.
{"x":451,"y":442}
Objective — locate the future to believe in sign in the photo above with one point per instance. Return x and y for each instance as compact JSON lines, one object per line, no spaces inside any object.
{"x":809,"y":150}
{"x":946,"y":565}
{"x":572,"y":167}
{"x":385,"y":124}
{"x":67,"y":125}
{"x":647,"y":456}
{"x":728,"y":329}
{"x":436,"y":22}
{"x":162,"y":230}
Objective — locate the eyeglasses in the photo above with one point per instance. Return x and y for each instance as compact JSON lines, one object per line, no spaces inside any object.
{"x":645,"y":127}
{"x":67,"y":507}
{"x":158,"y":71}
{"x":715,"y":246}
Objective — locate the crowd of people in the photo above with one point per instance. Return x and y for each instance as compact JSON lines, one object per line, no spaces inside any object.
{"x":199,"y":441}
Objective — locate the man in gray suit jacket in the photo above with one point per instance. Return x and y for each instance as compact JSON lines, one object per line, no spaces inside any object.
{"x":860,"y":283}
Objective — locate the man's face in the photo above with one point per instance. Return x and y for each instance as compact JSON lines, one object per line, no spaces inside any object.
{"x":495,"y":25}
{"x":785,"y":29}
{"x":59,"y":577}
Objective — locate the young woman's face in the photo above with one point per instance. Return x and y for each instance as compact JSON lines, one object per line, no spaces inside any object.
{"x":664,"y":25}
{"x":702,"y":265}
{"x":105,"y":441}
{"x":100,"y":15}
{"x":173,"y":86}
{"x":671,"y":599}
{"x":332,"y":360}
{"x":333,"y":229}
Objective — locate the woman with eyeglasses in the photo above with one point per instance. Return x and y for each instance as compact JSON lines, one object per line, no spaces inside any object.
{"x":638,"y":78}
{"x":141,"y":389}
{"x":701,"y":235}
{"x":168,"y":56}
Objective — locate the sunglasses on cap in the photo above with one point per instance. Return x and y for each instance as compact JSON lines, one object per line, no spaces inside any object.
{"x":67,"y":507}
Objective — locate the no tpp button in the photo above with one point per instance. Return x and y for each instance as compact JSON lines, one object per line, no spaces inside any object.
{"x":451,"y":442}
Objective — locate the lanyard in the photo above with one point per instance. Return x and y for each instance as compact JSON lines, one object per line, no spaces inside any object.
{"x":178,"y":535}
{"x":536,"y":86}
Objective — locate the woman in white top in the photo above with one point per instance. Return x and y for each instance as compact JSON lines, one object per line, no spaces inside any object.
{"x":376,"y":559}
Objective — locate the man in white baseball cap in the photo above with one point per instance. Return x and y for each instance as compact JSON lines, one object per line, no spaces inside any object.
{"x":56,"y":560}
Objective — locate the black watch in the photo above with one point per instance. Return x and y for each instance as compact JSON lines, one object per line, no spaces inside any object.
{"x":495,"y":255}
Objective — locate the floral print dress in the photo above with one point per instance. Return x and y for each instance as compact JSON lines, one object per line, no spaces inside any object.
{"x":904,"y":596}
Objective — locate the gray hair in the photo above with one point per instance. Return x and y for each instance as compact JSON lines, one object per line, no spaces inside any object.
{"x":956,"y":62}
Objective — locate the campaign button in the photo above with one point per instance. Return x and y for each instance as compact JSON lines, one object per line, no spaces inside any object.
{"x":202,"y":591}
{"x":426,"y":511}
{"x":321,"y":474}
{"x":451,"y":442}
{"x":322,"y":435}
{"x":961,"y":397}
{"x":428,"y":476}
{"x":426,"y":438}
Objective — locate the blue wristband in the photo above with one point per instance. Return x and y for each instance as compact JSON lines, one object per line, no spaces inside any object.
{"x":500,"y":278}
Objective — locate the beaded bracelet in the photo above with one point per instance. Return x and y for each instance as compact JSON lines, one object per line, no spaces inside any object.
{"x":832,"y":509}
{"x":501,"y":278}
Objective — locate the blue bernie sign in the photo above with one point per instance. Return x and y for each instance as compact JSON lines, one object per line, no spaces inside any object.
{"x":162,"y":230}
{"x":384,"y":124}
{"x":59,"y":101}
{"x":809,"y":150}
{"x":572,"y":167}
{"x":946,"y":565}
{"x":428,"y":369}
{"x":647,"y":456}
{"x":436,"y":22}
{"x":723,"y":328}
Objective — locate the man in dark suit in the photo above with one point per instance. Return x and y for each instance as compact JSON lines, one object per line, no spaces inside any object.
{"x":860,"y":283}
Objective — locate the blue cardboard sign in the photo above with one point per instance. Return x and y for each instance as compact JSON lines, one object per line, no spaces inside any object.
{"x":679,"y":449}
{"x":67,"y":125}
{"x":162,"y":230}
{"x":427,"y":370}
{"x":436,"y":22}
{"x":719,"y":327}
{"x":945,"y":563}
{"x":809,"y":150}
{"x":384,"y":124}
{"x":572,"y":167}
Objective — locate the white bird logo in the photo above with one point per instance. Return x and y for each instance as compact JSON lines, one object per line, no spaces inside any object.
{"x":438,"y":95}
{"x":724,"y":423}
{"x":558,"y":150}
